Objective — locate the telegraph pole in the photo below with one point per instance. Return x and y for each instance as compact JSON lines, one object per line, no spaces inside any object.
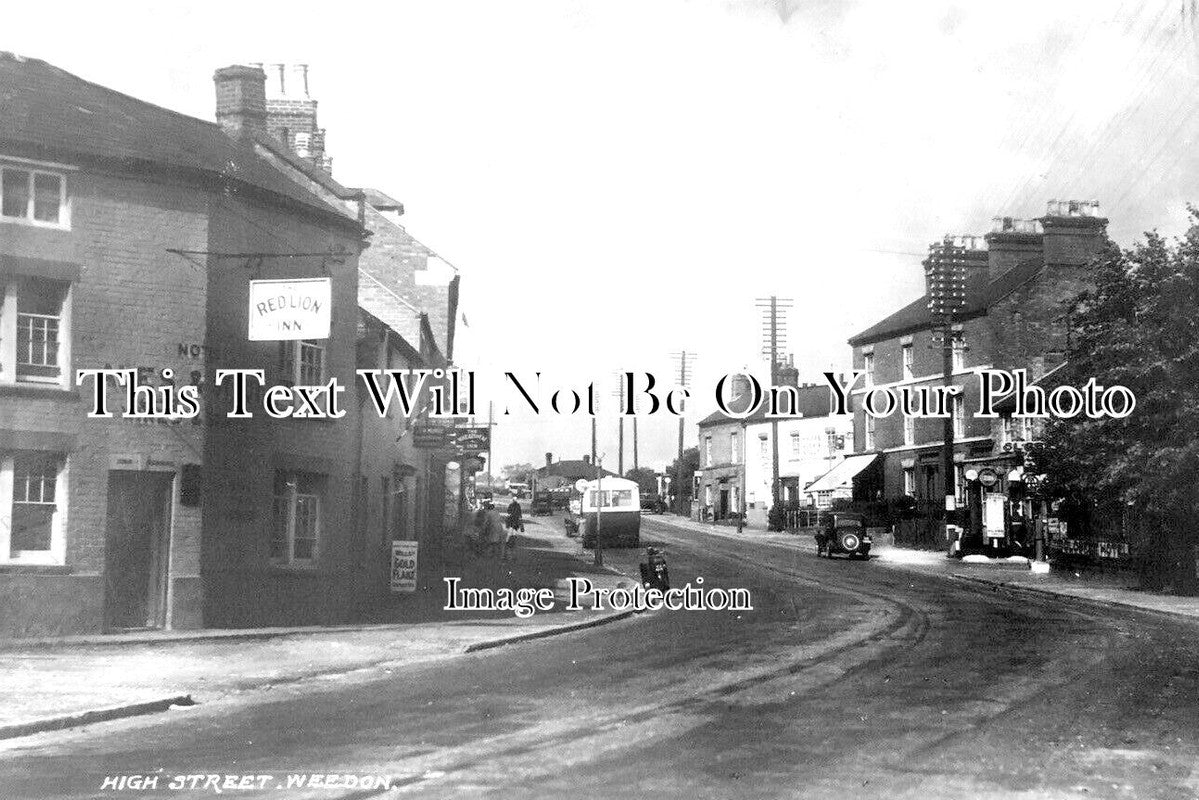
{"x":945,"y":276}
{"x":619,"y":395}
{"x":681,"y":357}
{"x":774,"y":331}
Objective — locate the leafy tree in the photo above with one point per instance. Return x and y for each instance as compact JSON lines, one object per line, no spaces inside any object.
{"x":682,"y":475}
{"x":647,"y":480}
{"x":1139,"y":328}
{"x":516,"y":472}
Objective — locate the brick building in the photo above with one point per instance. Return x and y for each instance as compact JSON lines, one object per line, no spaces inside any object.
{"x":408,"y":301}
{"x":122,"y":243}
{"x":1018,"y":278}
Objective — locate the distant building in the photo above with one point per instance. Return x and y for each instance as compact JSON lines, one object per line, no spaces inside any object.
{"x":566,"y":473}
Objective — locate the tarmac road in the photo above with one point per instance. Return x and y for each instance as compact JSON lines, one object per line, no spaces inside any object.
{"x":846,"y":680}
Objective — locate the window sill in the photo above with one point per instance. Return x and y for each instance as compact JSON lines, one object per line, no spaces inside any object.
{"x":53,"y":391}
{"x":22,"y":568}
{"x":31,"y":223}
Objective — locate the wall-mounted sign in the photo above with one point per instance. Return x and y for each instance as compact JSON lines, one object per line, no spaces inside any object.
{"x":473,"y":440}
{"x":988,"y":477}
{"x":290,"y":309}
{"x":403,"y":566}
{"x":429,"y":436}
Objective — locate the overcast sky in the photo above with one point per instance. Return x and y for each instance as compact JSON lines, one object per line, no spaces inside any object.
{"x":619,"y":180}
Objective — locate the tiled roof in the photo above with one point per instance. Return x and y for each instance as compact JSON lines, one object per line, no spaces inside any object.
{"x":814,"y":401}
{"x":573,"y":469}
{"x":46,"y":112}
{"x":382,"y":200}
{"x":981,"y":294}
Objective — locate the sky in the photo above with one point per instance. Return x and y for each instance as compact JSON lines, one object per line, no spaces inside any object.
{"x":620,"y":180}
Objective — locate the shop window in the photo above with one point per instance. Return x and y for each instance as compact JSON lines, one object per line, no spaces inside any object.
{"x":32,"y":507}
{"x":33,"y":196}
{"x":34,"y":331}
{"x":296,"y":518}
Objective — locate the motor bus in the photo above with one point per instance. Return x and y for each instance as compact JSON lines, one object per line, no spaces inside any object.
{"x":619,"y":503}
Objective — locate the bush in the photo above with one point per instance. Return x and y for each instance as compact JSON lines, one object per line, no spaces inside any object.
{"x":776,"y":520}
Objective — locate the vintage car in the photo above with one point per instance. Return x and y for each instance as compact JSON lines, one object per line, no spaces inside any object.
{"x":843,"y":532}
{"x":653,"y":503}
{"x":541,"y":505}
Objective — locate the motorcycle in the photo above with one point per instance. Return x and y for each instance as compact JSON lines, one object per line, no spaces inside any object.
{"x":654,"y":573}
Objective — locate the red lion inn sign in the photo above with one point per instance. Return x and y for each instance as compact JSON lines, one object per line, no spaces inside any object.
{"x":290,"y":309}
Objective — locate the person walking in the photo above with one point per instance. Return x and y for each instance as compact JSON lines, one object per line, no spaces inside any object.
{"x":494,"y":533}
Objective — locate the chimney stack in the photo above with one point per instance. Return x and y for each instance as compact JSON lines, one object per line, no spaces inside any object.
{"x":241,"y":100}
{"x":587,"y":460}
{"x":788,"y":375}
{"x":549,"y":459}
{"x":1012,"y":241}
{"x":1074,"y":232}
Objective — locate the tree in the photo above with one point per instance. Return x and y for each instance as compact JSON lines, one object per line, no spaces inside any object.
{"x":682,"y":476}
{"x":516,"y":472}
{"x":1139,"y":328}
{"x":647,"y":480}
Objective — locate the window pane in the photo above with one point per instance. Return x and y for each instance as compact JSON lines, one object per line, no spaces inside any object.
{"x":47,"y":194}
{"x":16,"y":193}
{"x":32,"y":524}
{"x":307,"y":515}
{"x":279,"y":527}
{"x":34,"y":478}
{"x":312,"y":359}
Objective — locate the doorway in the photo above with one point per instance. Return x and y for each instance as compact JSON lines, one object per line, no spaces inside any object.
{"x":137,"y":549}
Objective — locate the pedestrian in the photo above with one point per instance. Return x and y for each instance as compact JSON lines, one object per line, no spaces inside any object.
{"x":495,"y":534}
{"x":514,"y":520}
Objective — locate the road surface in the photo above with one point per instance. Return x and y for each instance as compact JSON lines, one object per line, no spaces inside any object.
{"x":848,"y":679}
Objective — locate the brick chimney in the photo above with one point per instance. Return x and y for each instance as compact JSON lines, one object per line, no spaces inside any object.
{"x":549,"y":459}
{"x":1074,"y":232}
{"x":788,"y":375}
{"x":1012,"y":241}
{"x":241,"y":100}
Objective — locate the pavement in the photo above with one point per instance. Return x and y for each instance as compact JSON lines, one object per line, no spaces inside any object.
{"x":55,"y":683}
{"x":1091,"y":587}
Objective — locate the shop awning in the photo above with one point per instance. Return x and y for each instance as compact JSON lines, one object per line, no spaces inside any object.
{"x":842,"y":473}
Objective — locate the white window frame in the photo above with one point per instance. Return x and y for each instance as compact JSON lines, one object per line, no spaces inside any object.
{"x":293,"y":498}
{"x":56,"y":554}
{"x":734,"y":455}
{"x":909,"y":481}
{"x":64,"y":197}
{"x":909,"y":430}
{"x":908,"y":359}
{"x":868,"y":369}
{"x":10,"y":324}
{"x":959,"y":416}
{"x":796,"y":445}
{"x":708,"y":450}
{"x":869,"y":432}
